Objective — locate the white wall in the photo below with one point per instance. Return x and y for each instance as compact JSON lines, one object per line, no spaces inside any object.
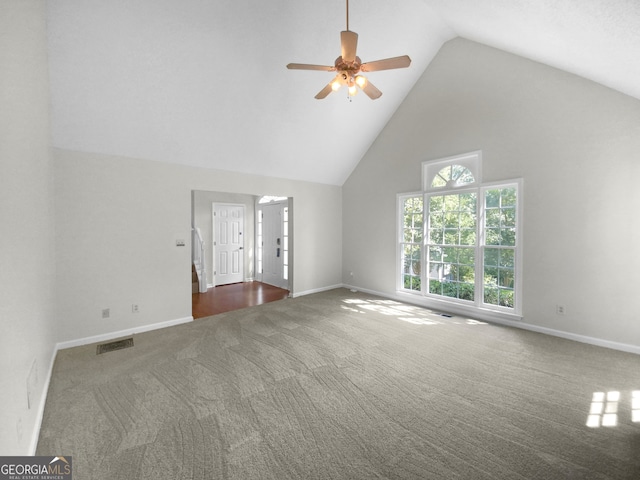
{"x":117,"y":222}
{"x":575,"y":143}
{"x":203,"y":210}
{"x":26,"y":222}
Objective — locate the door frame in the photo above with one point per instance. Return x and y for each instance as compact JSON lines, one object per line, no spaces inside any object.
{"x":288,"y":203}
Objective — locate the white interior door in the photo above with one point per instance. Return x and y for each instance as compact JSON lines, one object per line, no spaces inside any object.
{"x":228,"y":243}
{"x":275,"y":244}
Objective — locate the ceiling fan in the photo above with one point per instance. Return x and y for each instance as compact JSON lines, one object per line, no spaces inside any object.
{"x":349,"y":66}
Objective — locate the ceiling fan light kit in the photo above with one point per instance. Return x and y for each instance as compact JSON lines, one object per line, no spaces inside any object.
{"x":349,"y":66}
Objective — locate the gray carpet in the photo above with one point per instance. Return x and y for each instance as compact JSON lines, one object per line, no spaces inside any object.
{"x":340,"y":385}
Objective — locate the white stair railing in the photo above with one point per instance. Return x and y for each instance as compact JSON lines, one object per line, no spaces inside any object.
{"x":199,"y":258}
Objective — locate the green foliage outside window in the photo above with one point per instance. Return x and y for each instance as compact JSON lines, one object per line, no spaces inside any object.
{"x":499,"y":255}
{"x":450,"y":250}
{"x":412,"y":239}
{"x":452,"y":237}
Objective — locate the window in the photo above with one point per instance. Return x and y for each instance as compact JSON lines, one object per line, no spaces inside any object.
{"x":464,"y":233}
{"x":270,"y":199}
{"x":411,"y":242}
{"x":499,"y":246}
{"x":452,"y":176}
{"x":451,"y":245}
{"x":259,"y":242}
{"x":452,"y":172}
{"x":285,"y":243}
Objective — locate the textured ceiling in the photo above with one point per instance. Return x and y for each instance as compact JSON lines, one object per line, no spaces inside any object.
{"x":204,"y":83}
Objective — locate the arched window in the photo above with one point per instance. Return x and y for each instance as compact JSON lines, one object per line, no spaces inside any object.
{"x":452,"y":176}
{"x":452,"y":172}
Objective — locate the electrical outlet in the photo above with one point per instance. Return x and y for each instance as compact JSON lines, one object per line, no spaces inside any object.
{"x":105,"y":313}
{"x":135,"y":308}
{"x":560,"y":310}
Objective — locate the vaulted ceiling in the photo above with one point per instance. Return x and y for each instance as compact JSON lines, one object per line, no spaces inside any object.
{"x":204,"y":83}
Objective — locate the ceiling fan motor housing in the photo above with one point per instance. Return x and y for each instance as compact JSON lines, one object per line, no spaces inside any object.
{"x":351,"y":67}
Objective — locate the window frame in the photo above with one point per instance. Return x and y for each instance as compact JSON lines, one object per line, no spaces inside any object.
{"x":517,"y":267}
{"x":472,"y":161}
{"x":426,"y":236}
{"x":517,"y":262}
{"x":478,"y":305}
{"x":400,"y":243}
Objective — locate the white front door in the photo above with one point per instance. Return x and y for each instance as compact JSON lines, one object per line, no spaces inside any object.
{"x":228,"y":243}
{"x":275,"y":244}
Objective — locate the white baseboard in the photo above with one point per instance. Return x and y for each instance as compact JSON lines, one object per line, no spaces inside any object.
{"x":316,"y":290}
{"x":599,"y":342}
{"x":33,"y":445}
{"x":121,"y":333}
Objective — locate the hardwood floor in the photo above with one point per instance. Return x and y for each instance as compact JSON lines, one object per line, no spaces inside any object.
{"x":226,"y":298}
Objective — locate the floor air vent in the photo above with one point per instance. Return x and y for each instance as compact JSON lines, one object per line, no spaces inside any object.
{"x":117,"y":345}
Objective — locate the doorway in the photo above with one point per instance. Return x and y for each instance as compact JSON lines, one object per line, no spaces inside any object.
{"x":249,"y":290}
{"x":273,"y":241}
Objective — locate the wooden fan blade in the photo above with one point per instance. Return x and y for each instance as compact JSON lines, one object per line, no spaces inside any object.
{"x":305,"y":66}
{"x":348,"y":43}
{"x":371,"y":90}
{"x":387,"y":64}
{"x":324,"y":92}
